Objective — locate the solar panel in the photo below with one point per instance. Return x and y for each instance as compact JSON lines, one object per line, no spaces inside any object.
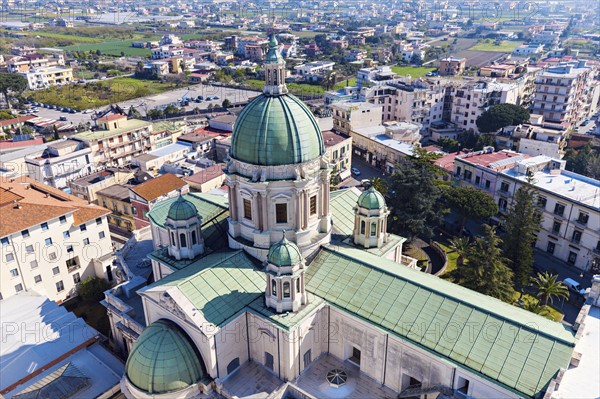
{"x":22,"y":137}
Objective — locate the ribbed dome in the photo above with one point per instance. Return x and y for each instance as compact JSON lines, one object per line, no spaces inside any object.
{"x":276,"y":130}
{"x":163,"y":360}
{"x":284,"y":253}
{"x":371,"y":199}
{"x":182,"y":209}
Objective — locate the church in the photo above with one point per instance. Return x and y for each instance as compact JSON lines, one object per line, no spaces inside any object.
{"x":288,"y":289}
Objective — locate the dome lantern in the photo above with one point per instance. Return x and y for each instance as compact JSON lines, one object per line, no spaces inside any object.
{"x":370,"y":219}
{"x":183,"y":225}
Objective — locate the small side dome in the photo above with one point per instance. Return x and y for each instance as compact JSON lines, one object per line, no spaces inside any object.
{"x":182,"y":209}
{"x":371,"y":199}
{"x":163,"y":360}
{"x":284,"y":253}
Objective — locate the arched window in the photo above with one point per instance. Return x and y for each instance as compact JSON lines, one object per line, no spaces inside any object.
{"x":172,"y":238}
{"x":182,"y":240}
{"x":286,"y":289}
{"x":362,"y":227}
{"x":298,"y":284}
{"x":273,"y":287}
{"x":373,"y":229}
{"x":194,"y":241}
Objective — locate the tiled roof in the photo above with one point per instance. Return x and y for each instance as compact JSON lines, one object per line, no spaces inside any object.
{"x":39,"y":203}
{"x":161,"y":185}
{"x":220,"y":285}
{"x":508,"y":345}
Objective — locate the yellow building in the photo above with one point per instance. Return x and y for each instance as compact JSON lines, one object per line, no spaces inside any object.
{"x":116,"y":198}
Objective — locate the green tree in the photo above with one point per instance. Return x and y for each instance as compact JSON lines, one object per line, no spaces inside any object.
{"x":379,"y":184}
{"x":521,"y":224}
{"x":413,"y":199}
{"x":449,"y":144}
{"x":549,"y":288}
{"x":226,"y":103}
{"x":5,"y":114}
{"x":12,"y":83}
{"x":134,"y":113}
{"x":470,"y":203}
{"x":534,"y":306}
{"x":500,"y":116}
{"x":416,"y":58}
{"x":485,"y":270}
{"x":461,"y":246}
{"x":92,"y":289}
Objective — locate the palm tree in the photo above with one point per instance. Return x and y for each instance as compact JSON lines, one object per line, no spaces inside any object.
{"x":548,"y":288}
{"x":379,"y":184}
{"x":460,"y":245}
{"x":534,"y":306}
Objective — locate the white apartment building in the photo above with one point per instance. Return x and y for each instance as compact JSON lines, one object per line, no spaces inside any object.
{"x":162,"y":52}
{"x":348,"y":116}
{"x":50,"y":241}
{"x":570,"y":205}
{"x":567,"y":94}
{"x":42,"y":78}
{"x":59,"y":163}
{"x":117,"y":141}
{"x":314,"y":68}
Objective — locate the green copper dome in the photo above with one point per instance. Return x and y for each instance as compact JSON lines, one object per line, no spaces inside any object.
{"x":182,"y":209}
{"x":163,"y":360}
{"x":371,"y":199}
{"x":284,"y":253}
{"x":276,"y":130}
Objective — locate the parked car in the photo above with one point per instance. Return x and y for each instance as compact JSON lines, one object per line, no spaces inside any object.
{"x":574,"y":286}
{"x":62,"y":119}
{"x":355,"y":171}
{"x":366,"y":183}
{"x":199,"y":98}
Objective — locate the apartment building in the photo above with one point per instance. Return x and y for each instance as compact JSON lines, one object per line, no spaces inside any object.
{"x":59,"y":163}
{"x":22,"y":64}
{"x":314,"y":68}
{"x":452,"y":66}
{"x":162,"y":52}
{"x":339,"y":150}
{"x":567,"y":94}
{"x":42,"y":78}
{"x":570,"y":206}
{"x":348,"y":116}
{"x":50,"y":240}
{"x":116,"y":198}
{"x":242,"y":42}
{"x":117,"y":140}
{"x":86,"y":187}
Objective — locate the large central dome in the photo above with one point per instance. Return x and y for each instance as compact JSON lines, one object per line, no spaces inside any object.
{"x":276,"y":130}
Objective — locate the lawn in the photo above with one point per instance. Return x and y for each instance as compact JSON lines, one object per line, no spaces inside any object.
{"x":505,"y":46}
{"x":98,"y":94}
{"x":342,"y":84}
{"x":414,"y":72}
{"x":60,"y":36}
{"x":112,"y":48}
{"x":553,"y":313}
{"x":452,"y":258}
{"x":294,"y":88}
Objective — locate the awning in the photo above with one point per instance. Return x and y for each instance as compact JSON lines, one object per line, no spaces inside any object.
{"x":344,"y":174}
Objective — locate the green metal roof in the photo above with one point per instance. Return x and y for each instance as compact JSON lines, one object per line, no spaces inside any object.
{"x":287,"y":321}
{"x":181,"y":209}
{"x":284,"y":253}
{"x":276,"y":130}
{"x":341,"y":204}
{"x":163,"y":360}
{"x":516,"y":348}
{"x":219,"y":285}
{"x":273,"y":55}
{"x":371,"y":199}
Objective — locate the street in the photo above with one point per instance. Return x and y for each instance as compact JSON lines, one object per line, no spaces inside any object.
{"x":366,"y":172}
{"x":147,"y":103}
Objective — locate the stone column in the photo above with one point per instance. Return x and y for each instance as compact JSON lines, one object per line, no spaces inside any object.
{"x":298,"y":195}
{"x":305,"y":211}
{"x":265,"y":210}
{"x":255,"y":211}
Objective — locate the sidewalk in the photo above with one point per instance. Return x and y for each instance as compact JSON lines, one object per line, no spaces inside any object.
{"x":547,"y":262}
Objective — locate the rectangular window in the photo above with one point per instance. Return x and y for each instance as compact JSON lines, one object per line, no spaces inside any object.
{"x":9,"y":257}
{"x":99,"y":221}
{"x":62,"y":219}
{"x":44,"y":226}
{"x":86,"y":241}
{"x":576,"y":238}
{"x":101,"y":235}
{"x":29,"y":249}
{"x":82,"y":227}
{"x":66,"y":234}
{"x":247,"y":209}
{"x":559,"y":209}
{"x":14,"y":273}
{"x":572,"y":258}
{"x":76,"y":278}
{"x":33,"y":264}
{"x":18,"y":288}
{"x":280,"y":213}
{"x":4,"y":241}
{"x":37,"y":279}
{"x":60,"y":286}
{"x":25,"y":233}
{"x":541,"y":202}
{"x":313,"y":205}
{"x":583,"y":218}
{"x":48,"y":241}
{"x":556,"y":227}
{"x":468,"y":175}
{"x":55,"y":270}
{"x":551,"y":247}
{"x":355,"y":358}
{"x":69,"y":249}
{"x":504,"y":187}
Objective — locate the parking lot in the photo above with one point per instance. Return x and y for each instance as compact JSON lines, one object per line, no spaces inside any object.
{"x":144,"y":104}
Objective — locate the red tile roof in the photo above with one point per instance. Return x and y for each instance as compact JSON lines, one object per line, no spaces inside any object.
{"x":14,"y":121}
{"x":111,"y":117}
{"x":161,"y":185}
{"x":5,"y":145}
